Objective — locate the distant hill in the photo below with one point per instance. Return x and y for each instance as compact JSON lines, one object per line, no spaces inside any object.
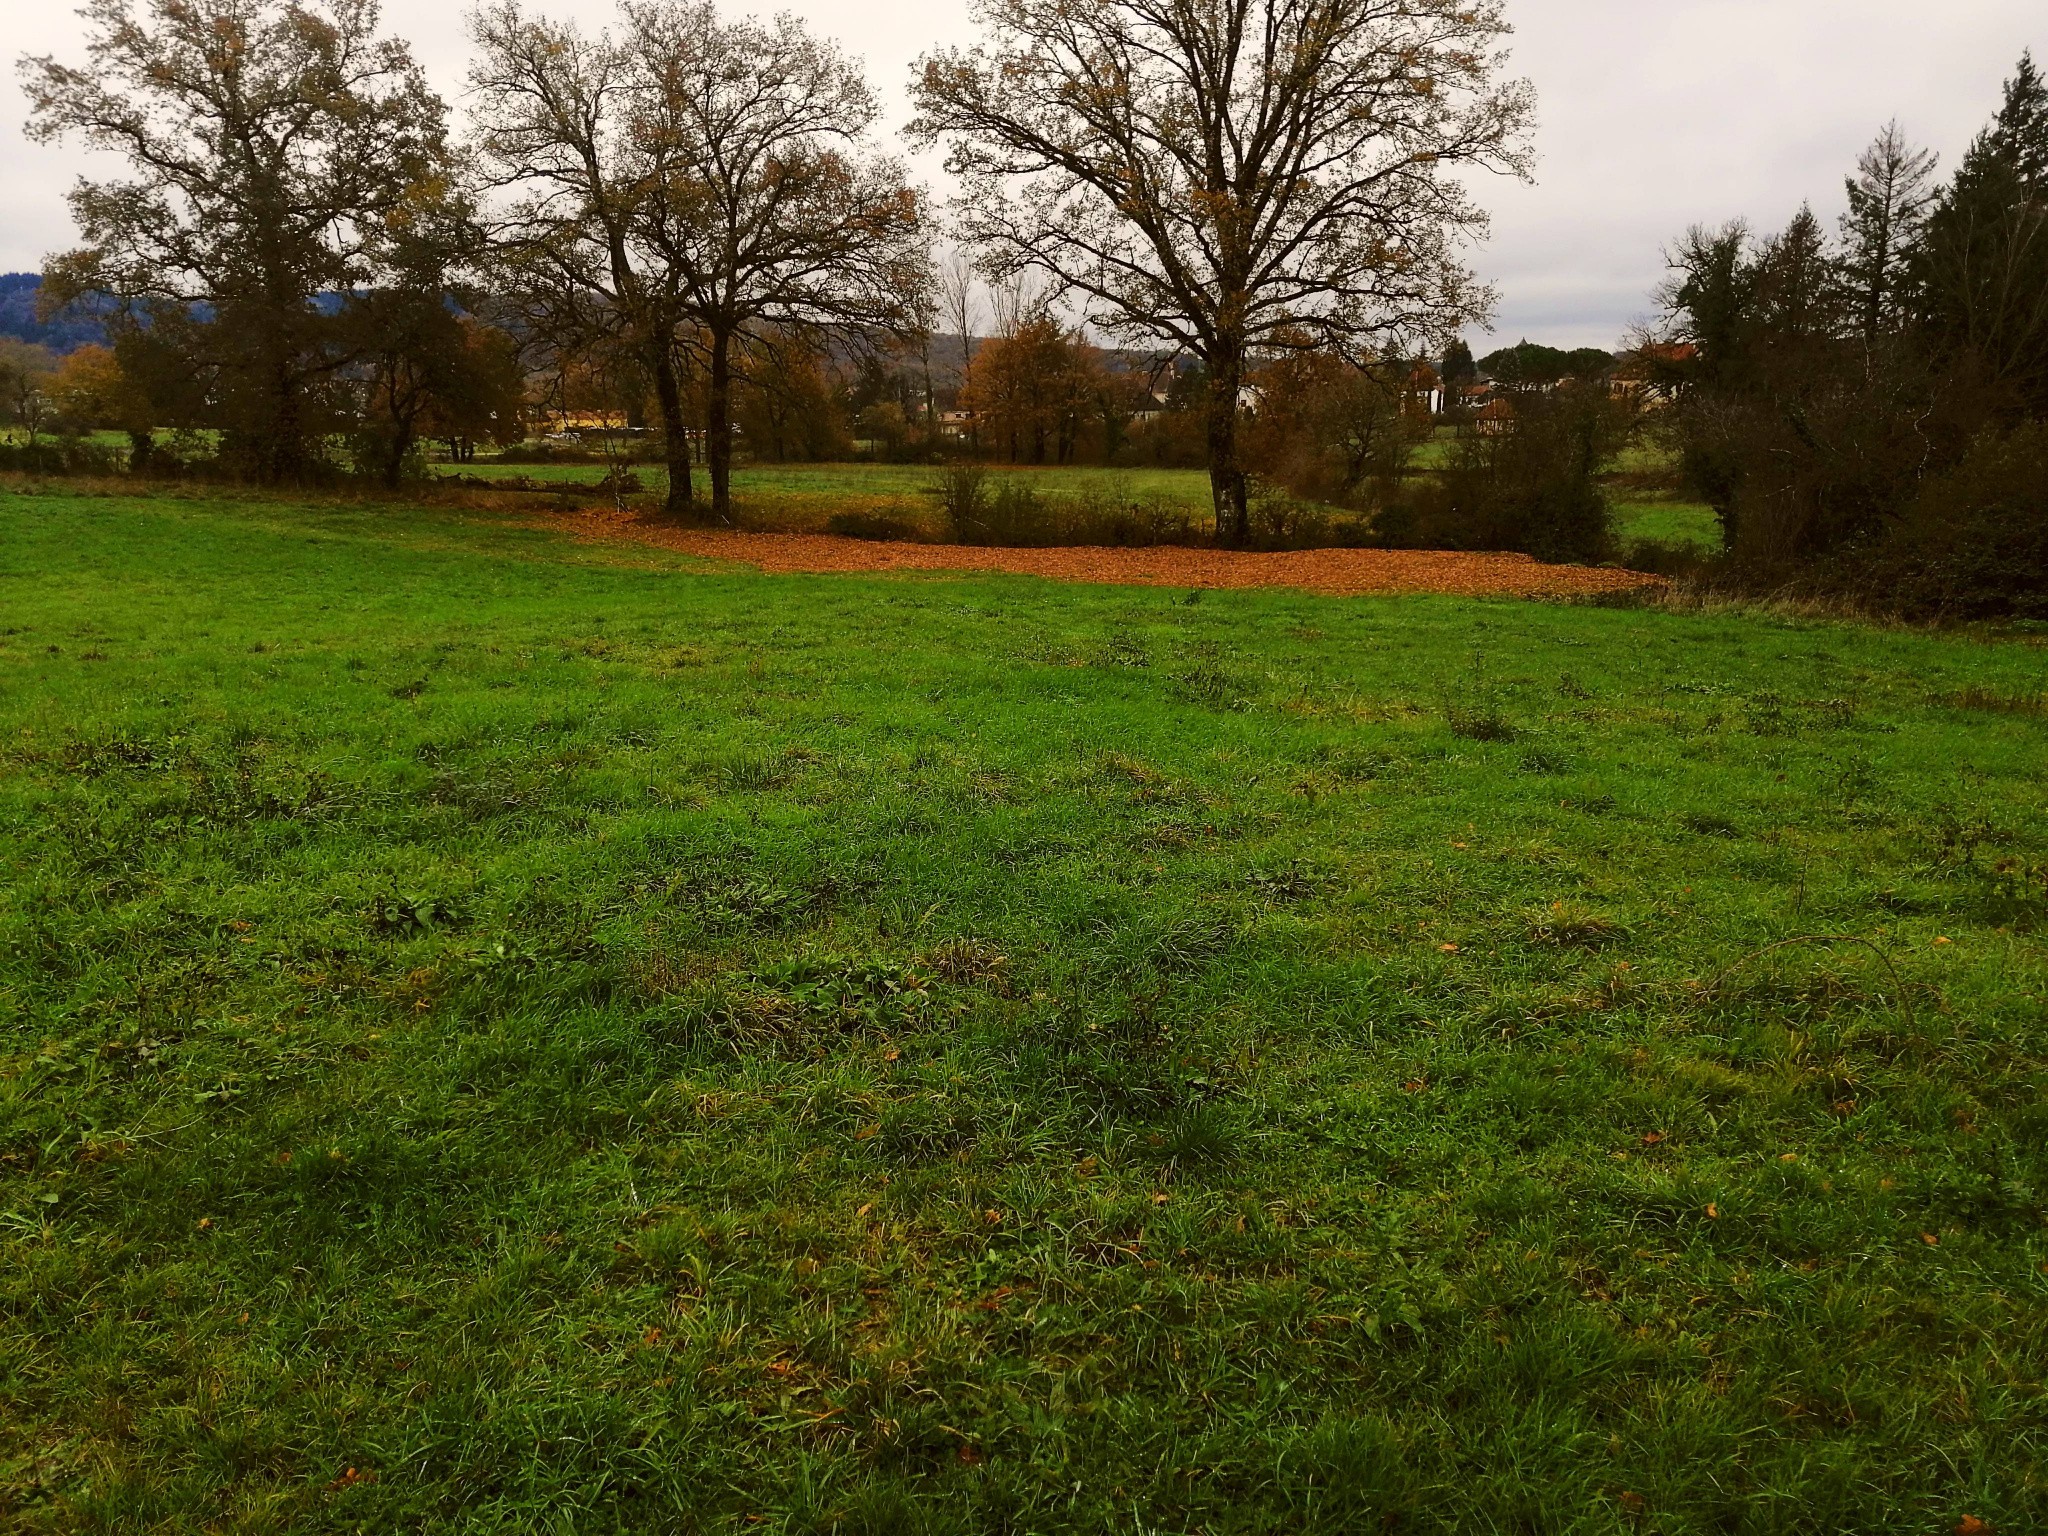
{"x":18,"y":317}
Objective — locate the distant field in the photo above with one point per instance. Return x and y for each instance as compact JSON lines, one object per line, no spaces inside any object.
{"x":1670,"y":522}
{"x":814,"y":491}
{"x":907,"y":483}
{"x":503,"y":1034}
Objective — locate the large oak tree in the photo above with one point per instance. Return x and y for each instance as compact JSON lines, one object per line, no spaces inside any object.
{"x":763,"y":198}
{"x":1227,"y":176}
{"x":268,"y":144}
{"x":555,"y":113}
{"x":698,"y":186}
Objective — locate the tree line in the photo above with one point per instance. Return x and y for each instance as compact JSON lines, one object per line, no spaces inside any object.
{"x":1868,"y":407}
{"x":1222,"y":233}
{"x":685,"y":207}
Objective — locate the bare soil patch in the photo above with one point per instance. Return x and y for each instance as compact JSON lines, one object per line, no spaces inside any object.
{"x":1335,"y":572}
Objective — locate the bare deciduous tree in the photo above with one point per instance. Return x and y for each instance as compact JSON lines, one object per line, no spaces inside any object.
{"x":1888,"y":200}
{"x":1020,"y":299}
{"x":555,"y":119}
{"x":1221,"y":175}
{"x":959,"y":304}
{"x":762,"y":198}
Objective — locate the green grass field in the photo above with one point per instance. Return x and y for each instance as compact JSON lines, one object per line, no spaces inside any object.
{"x":812,"y":492}
{"x":1668,"y":522}
{"x":501,"y":1035}
{"x":910,"y":483}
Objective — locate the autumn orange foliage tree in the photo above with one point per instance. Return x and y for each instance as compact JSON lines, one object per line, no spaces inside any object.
{"x":1032,"y":394}
{"x":92,"y":392}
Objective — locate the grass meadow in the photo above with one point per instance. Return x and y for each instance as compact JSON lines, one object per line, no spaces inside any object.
{"x":806,"y":495}
{"x":504,"y":1035}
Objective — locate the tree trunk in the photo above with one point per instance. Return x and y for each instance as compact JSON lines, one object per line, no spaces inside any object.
{"x":404,"y":410}
{"x":675,"y":432}
{"x":1227,"y":487}
{"x":718,"y":426}
{"x":401,"y":446}
{"x":286,"y":452}
{"x":285,"y":458}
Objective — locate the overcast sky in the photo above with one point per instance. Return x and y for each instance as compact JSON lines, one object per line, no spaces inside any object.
{"x":1654,"y":114}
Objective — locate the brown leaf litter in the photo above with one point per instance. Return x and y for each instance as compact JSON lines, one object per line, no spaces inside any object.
{"x":1332,"y":572}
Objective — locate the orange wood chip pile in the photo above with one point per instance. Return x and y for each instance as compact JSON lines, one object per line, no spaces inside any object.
{"x":1335,"y":572}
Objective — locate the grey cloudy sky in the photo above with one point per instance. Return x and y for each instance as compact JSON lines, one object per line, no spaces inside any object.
{"x":1654,"y":114}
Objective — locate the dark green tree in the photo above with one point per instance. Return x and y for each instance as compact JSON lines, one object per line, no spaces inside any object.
{"x":2020,"y":135}
{"x":1980,"y":268}
{"x":268,"y":142}
{"x":1796,"y":286}
{"x":1529,"y":363}
{"x":1709,"y":299}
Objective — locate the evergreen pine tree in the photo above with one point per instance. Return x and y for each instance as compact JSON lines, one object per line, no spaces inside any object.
{"x":1980,"y":269}
{"x":2007,"y":163}
{"x":1795,"y":284}
{"x":2019,"y":138}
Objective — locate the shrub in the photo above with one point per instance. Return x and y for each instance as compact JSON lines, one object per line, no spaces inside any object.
{"x":1014,"y":513}
{"x":1665,"y":557}
{"x":62,"y":456}
{"x":1113,"y":517}
{"x":1973,"y":544}
{"x":963,"y":495}
{"x":1280,"y":521}
{"x":1008,"y":511}
{"x":1533,"y":488}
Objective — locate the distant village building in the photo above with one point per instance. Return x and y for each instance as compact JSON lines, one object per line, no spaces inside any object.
{"x":569,"y":423}
{"x":1496,"y":418}
{"x":1426,"y":391}
{"x":1159,"y":396}
{"x":1650,"y":374}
